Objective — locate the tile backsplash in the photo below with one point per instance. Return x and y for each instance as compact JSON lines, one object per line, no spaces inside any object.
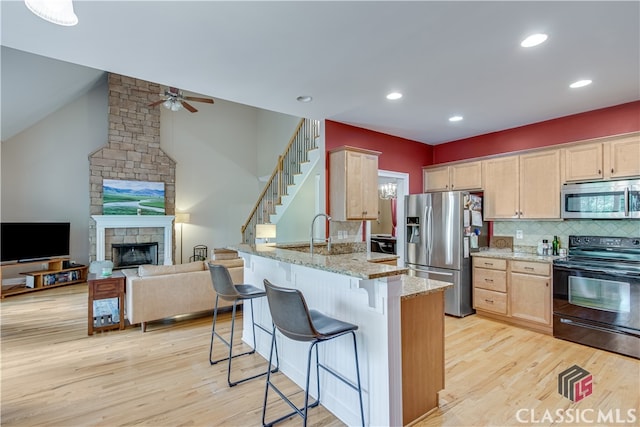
{"x":535,"y":231}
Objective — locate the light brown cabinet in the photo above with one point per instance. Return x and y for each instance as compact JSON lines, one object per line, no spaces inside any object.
{"x":353,"y":184}
{"x":523,"y":187}
{"x":490,"y":285}
{"x":613,"y":159}
{"x":515,"y":291}
{"x":530,"y":293}
{"x":462,"y":176}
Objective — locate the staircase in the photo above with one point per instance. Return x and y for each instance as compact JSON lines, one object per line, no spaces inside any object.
{"x":291,"y":171}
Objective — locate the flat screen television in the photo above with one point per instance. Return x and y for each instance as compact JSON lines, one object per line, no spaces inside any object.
{"x":29,"y":241}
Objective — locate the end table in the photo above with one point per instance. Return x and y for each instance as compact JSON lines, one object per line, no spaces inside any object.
{"x":106,"y":302}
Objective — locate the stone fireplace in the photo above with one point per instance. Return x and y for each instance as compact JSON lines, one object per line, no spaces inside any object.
{"x":132,"y":153}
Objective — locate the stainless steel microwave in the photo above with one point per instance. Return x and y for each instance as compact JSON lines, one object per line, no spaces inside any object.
{"x":602,"y":200}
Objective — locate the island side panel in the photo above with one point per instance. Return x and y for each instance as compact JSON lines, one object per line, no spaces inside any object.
{"x":339,"y":296}
{"x":422,"y":354}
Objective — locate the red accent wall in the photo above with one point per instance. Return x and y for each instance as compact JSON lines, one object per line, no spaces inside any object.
{"x":398,"y":154}
{"x":615,"y":120}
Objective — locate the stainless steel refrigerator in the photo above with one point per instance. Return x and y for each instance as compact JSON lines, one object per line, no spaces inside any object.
{"x":441,"y":231}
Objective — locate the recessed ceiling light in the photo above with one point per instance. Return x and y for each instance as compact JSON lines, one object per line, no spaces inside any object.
{"x":304,"y":98}
{"x":394,"y":95}
{"x":455,"y":118}
{"x":580,"y":83}
{"x":534,"y":40}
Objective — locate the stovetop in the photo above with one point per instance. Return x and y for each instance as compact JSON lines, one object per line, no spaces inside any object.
{"x":605,"y":254}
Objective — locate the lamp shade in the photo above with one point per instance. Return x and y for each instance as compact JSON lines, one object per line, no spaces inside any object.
{"x":265,"y":231}
{"x":183,"y":218}
{"x":56,"y":11}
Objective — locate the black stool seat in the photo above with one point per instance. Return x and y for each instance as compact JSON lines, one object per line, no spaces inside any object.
{"x":329,"y":327}
{"x":247,"y":292}
{"x":293,"y":319}
{"x":227,"y":290}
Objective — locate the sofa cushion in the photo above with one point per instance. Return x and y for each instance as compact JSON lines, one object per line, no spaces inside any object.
{"x":159,"y":270}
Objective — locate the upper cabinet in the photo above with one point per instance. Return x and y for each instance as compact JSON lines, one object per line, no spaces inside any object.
{"x":522,"y":187}
{"x":461,"y":176}
{"x":623,"y":157}
{"x":353,"y":184}
{"x":613,"y":159}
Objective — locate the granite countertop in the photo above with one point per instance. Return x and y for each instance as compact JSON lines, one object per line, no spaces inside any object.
{"x":518,"y":256}
{"x":357,"y":264}
{"x":414,"y":286}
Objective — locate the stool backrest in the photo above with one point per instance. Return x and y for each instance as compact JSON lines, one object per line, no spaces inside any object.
{"x":222,"y":282}
{"x":290,"y":313}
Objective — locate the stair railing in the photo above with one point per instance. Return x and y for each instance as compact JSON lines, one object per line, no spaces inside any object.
{"x":288,"y":165}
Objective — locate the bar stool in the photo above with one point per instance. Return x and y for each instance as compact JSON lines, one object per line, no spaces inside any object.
{"x":225,"y":289}
{"x":295,"y":321}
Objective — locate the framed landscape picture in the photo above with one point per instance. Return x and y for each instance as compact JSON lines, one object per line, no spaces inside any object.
{"x":121,"y":197}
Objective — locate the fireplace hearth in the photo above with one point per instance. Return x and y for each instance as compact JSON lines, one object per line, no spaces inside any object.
{"x":134,"y":254}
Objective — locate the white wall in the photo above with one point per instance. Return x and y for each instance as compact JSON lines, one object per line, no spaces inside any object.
{"x":219,"y":152}
{"x":45,"y":169}
{"x":274,"y":132}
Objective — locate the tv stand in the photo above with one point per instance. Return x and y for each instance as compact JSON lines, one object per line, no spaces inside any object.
{"x":41,"y":274}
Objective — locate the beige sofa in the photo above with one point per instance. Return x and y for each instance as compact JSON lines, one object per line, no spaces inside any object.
{"x":155,"y":292}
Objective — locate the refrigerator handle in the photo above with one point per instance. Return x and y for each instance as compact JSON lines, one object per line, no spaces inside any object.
{"x":441,"y":273}
{"x":430,"y":230}
{"x":426,"y":232}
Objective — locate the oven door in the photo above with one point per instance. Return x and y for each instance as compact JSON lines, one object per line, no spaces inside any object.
{"x":597,"y":308}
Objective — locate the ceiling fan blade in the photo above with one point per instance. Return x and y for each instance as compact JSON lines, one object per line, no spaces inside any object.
{"x":195,"y":98}
{"x":153,"y":104}
{"x":188,"y":106}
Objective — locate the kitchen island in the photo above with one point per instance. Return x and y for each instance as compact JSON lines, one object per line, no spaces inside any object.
{"x":400,"y":336}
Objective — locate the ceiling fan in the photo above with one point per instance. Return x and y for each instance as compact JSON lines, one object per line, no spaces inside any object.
{"x":174,"y":100}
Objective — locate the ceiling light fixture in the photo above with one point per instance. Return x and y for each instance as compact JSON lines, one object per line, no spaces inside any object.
{"x":455,"y":118}
{"x":172,"y":104}
{"x":534,"y":40}
{"x":580,"y":83}
{"x":394,"y":95}
{"x":388,"y":190}
{"x":59,"y":12}
{"x":304,"y":98}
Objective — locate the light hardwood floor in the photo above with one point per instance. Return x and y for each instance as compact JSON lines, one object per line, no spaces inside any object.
{"x":53,"y":374}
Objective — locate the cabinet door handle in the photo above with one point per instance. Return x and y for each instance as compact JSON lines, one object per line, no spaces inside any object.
{"x":547,"y":284}
{"x":599,"y":172}
{"x":488,"y":280}
{"x":490,"y":301}
{"x":488,"y":263}
{"x":611,"y":170}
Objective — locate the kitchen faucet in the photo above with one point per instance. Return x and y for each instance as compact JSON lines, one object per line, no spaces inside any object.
{"x":313,"y":221}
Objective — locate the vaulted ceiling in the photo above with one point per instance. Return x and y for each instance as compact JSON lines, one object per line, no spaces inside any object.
{"x":446,"y":58}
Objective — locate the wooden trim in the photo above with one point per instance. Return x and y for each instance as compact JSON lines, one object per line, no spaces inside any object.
{"x":356,"y":149}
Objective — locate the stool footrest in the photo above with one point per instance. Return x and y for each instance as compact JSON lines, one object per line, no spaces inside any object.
{"x":296,"y":410}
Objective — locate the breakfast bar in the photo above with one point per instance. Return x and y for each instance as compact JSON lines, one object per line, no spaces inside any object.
{"x":400,"y":336}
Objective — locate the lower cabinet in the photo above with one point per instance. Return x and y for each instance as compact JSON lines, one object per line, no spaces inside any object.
{"x":518,"y":292}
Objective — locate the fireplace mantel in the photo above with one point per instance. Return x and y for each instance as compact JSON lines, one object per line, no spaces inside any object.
{"x":134,"y":221}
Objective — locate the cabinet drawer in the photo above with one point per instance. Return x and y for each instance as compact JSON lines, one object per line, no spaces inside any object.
{"x":107,"y":288}
{"x":492,"y":263}
{"x":490,"y":301}
{"x":493,"y":280}
{"x":538,"y":268}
